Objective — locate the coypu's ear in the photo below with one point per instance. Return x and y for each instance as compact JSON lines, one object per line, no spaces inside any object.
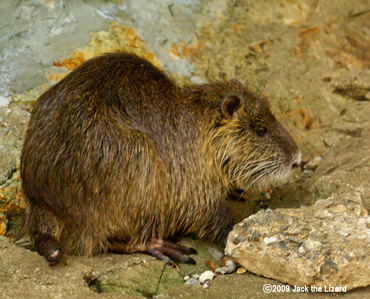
{"x":230,"y":105}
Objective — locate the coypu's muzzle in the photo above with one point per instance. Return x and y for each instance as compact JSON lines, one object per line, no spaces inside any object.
{"x":297,"y":160}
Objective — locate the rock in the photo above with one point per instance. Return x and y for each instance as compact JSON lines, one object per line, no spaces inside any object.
{"x":192,"y":282}
{"x":229,"y":267}
{"x":330,"y":246}
{"x":206,"y":285}
{"x":241,"y":270}
{"x":313,"y":164}
{"x":346,"y":165}
{"x":195,"y":276}
{"x":208,"y":275}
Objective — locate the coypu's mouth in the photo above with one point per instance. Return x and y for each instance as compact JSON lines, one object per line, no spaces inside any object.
{"x":271,"y":172}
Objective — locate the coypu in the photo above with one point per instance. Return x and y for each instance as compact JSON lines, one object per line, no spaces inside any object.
{"x":118,"y":158}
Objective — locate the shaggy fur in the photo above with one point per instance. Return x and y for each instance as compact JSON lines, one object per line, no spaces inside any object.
{"x":116,"y":154}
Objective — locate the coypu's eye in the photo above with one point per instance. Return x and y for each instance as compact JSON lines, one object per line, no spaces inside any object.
{"x":261,"y":131}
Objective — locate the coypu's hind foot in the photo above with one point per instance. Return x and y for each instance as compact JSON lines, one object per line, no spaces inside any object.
{"x":49,"y":248}
{"x":165,"y":251}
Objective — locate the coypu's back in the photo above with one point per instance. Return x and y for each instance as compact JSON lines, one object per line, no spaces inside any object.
{"x":117,"y":155}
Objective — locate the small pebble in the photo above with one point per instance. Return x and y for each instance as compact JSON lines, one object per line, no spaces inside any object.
{"x":207,"y":275}
{"x":241,"y":270}
{"x":206,"y":285}
{"x":187,"y":277}
{"x":329,"y":142}
{"x":313,"y":164}
{"x":195,"y":276}
{"x":193,"y":282}
{"x":229,"y":267}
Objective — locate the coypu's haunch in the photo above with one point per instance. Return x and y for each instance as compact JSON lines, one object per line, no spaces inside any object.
{"x":118,"y":158}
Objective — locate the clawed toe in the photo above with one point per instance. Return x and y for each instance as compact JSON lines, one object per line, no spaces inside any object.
{"x":159,"y":255}
{"x":166,"y":251}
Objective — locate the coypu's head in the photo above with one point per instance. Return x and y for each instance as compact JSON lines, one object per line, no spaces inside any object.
{"x":252,"y":146}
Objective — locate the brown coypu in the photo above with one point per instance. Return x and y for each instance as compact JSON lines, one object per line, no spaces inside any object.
{"x":118,"y":158}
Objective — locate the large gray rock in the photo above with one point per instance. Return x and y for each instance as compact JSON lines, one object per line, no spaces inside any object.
{"x":323,"y":245}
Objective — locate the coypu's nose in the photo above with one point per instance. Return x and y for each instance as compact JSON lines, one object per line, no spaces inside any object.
{"x":295,"y":165}
{"x":297,"y":160}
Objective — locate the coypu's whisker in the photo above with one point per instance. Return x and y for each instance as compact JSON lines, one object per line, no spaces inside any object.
{"x":266,"y":172}
{"x":249,"y":171}
{"x":258,"y":168}
{"x":246,"y":172}
{"x":253,"y":164}
{"x":257,"y":178}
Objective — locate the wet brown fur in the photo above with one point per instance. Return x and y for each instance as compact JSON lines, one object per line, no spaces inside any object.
{"x":116,"y":154}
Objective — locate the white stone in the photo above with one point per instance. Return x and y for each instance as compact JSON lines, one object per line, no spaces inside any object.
{"x":208,"y":275}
